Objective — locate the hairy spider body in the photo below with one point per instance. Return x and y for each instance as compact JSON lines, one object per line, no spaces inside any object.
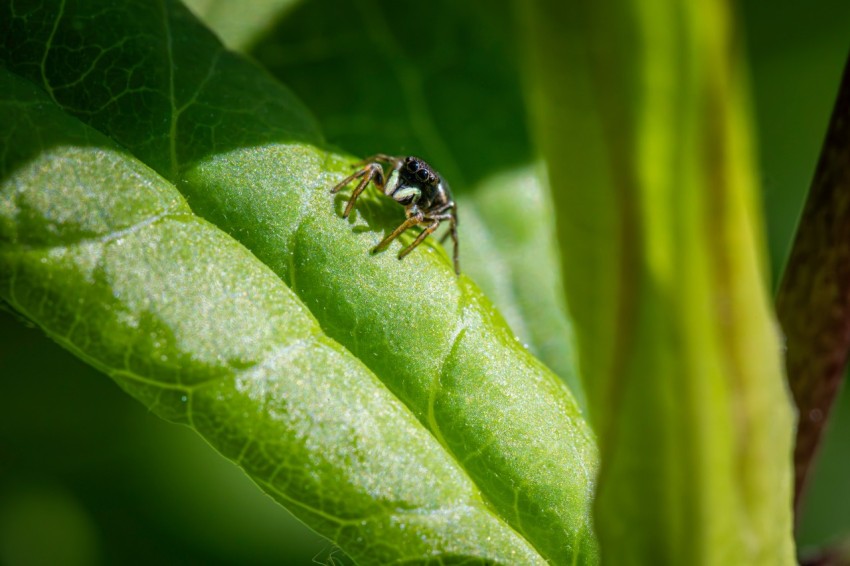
{"x":414,"y":184}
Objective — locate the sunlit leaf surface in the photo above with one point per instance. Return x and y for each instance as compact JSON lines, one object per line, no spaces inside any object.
{"x":385,"y":403}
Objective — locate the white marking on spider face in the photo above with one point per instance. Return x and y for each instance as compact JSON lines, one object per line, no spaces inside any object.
{"x":407,"y":193}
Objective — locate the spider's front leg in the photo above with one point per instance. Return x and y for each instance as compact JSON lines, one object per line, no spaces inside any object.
{"x":434,"y":222}
{"x":414,"y":218}
{"x":370,"y":170}
{"x":396,"y":162}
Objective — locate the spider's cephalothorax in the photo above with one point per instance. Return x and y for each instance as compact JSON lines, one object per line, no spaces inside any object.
{"x":415,"y":185}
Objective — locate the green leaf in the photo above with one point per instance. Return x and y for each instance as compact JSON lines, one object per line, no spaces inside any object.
{"x":248,"y":157}
{"x":455,"y":100}
{"x":641,"y":111}
{"x":116,"y":268}
{"x":510,"y":220}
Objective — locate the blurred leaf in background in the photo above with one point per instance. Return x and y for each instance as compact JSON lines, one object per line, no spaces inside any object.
{"x":678,"y":343}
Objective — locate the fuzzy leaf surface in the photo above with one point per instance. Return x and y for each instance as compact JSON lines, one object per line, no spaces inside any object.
{"x":456,"y":101}
{"x":109,"y":260}
{"x":248,"y":157}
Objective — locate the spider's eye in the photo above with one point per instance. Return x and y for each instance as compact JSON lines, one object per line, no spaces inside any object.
{"x":422,"y":175}
{"x":412,"y":165}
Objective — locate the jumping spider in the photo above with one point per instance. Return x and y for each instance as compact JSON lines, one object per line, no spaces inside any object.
{"x":415,"y":185}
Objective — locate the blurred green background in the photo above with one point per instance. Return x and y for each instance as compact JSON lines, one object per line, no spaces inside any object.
{"x":113,"y":484}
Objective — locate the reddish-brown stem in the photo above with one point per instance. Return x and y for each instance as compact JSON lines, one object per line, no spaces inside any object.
{"x":813,"y":303}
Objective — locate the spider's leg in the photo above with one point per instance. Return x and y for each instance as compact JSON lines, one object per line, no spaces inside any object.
{"x":449,"y":206}
{"x":456,"y":252}
{"x":341,"y":185}
{"x":411,"y":221}
{"x":359,"y":189}
{"x":371,"y":172}
{"x":452,"y":218}
{"x":420,"y":238}
{"x":381,"y":157}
